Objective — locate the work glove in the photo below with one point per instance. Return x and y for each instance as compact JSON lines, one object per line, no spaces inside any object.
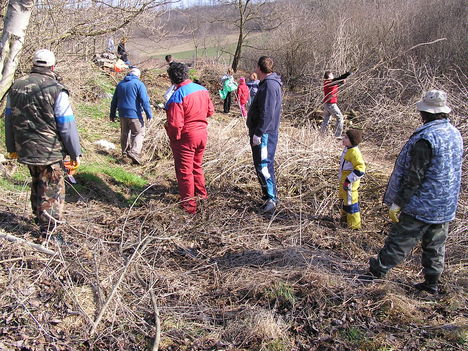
{"x":75,"y":163}
{"x":256,"y":140}
{"x":347,"y":185}
{"x":12,"y":155}
{"x":394,"y":213}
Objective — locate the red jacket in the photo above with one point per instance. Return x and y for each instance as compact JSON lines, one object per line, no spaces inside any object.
{"x":187,"y":109}
{"x":331,"y":86}
{"x":243,"y":92}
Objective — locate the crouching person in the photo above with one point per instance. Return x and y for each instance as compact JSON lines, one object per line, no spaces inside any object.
{"x":423,"y":193}
{"x":186,"y":126}
{"x":352,"y":168}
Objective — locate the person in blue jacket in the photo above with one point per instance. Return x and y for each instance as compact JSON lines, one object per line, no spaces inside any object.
{"x":130,"y":97}
{"x":423,"y":193}
{"x":263,"y":120}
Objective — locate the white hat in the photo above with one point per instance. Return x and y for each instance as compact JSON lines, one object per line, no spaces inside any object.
{"x":44,"y":58}
{"x":434,"y":101}
{"x":135,"y":72}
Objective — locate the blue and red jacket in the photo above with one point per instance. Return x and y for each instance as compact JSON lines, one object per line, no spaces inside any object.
{"x":187,"y":109}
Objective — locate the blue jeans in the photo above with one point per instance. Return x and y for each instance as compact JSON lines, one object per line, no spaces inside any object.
{"x":264,"y":162}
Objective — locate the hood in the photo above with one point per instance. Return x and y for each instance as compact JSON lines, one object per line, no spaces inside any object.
{"x":274,"y":77}
{"x":130,"y":77}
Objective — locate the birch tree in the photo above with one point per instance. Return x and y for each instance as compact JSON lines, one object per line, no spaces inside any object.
{"x":15,"y":23}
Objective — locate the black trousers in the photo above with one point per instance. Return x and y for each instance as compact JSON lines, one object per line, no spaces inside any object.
{"x":227,"y":103}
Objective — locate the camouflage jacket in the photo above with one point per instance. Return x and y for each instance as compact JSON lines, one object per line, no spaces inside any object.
{"x":31,"y":126}
{"x":435,"y":199}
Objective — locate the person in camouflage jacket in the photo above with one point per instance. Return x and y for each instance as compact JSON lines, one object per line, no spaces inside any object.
{"x":40,"y":130}
{"x":423,"y":193}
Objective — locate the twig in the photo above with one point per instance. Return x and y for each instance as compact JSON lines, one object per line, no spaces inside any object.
{"x":37,"y":247}
{"x":157,"y":337}
{"x":141,"y":244}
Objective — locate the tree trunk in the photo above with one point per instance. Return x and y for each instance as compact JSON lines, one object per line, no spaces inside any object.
{"x":237,"y":54}
{"x":14,"y":30}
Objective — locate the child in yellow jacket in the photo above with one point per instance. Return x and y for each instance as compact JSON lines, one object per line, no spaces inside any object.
{"x":352,"y":168}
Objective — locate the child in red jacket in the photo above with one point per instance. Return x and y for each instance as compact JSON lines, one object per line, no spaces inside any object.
{"x":243,"y":94}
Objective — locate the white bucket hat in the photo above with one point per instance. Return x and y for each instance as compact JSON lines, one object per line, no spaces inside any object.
{"x":434,"y":101}
{"x":44,"y":58}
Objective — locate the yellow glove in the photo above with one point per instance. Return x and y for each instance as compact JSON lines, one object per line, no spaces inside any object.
{"x":75,"y":163}
{"x":394,"y":213}
{"x":12,"y":155}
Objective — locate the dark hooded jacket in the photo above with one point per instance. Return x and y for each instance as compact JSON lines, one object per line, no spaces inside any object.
{"x":264,"y":113}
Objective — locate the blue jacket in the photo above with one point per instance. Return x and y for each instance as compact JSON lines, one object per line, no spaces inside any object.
{"x":130,"y":97}
{"x":435,"y":201}
{"x":265,"y":110}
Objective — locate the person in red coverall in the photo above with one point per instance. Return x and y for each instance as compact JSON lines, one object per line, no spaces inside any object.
{"x":186,"y":126}
{"x":243,"y":94}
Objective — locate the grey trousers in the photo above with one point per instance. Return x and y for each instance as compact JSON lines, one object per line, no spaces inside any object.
{"x":332,"y":110}
{"x":132,"y":133}
{"x":403,"y":236}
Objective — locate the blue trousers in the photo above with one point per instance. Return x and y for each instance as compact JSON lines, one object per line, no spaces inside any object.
{"x":264,"y":162}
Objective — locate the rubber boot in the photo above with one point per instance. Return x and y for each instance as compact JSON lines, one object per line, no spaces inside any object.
{"x":430,"y":284}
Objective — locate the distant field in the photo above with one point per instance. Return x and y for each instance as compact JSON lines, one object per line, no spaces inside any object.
{"x":184,"y":49}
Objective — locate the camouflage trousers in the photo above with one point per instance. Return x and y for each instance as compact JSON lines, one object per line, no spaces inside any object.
{"x":47,"y":194}
{"x":403,"y":236}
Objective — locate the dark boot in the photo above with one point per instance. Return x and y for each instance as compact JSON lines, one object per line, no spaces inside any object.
{"x":430,"y":284}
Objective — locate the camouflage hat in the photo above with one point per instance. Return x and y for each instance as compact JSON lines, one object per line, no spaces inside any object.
{"x":44,"y":58}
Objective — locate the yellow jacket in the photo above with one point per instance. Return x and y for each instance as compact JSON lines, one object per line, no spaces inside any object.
{"x":352,"y":165}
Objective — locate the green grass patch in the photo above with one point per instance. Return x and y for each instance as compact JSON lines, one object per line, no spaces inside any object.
{"x":118,"y":174}
{"x":353,"y":335}
{"x":203,"y":52}
{"x":283,"y":292}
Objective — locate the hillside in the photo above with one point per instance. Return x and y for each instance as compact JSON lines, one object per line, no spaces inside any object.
{"x":226,"y":278}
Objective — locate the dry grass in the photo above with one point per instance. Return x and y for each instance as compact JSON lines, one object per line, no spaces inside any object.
{"x":227,"y":278}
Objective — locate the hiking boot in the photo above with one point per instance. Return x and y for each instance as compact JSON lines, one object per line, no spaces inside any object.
{"x":136,"y":160}
{"x":430,"y":284}
{"x":268,"y":207}
{"x":431,"y":289}
{"x":367,"y":277}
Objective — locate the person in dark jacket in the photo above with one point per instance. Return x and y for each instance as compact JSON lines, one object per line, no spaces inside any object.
{"x":252,"y":83}
{"x":330,"y":108}
{"x":130,"y":97}
{"x":263,"y":120}
{"x":423,"y":193}
{"x":40,"y":130}
{"x":122,"y":52}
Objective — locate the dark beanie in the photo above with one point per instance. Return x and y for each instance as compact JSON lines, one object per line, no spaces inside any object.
{"x":355,"y":136}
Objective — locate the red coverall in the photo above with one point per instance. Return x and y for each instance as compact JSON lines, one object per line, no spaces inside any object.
{"x":187,"y":111}
{"x":243,"y":94}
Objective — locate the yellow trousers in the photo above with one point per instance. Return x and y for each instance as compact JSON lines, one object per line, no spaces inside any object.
{"x":350,"y":207}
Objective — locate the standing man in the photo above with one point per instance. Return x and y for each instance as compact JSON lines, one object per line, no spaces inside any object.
{"x":40,"y":130}
{"x":330,"y":108}
{"x":130,"y":97}
{"x":263,"y":121}
{"x":186,"y":126}
{"x":422,"y":193}
{"x":122,"y":51}
{"x":169,"y":60}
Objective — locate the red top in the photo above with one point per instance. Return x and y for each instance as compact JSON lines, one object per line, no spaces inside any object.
{"x":243,"y":92}
{"x":330,"y":90}
{"x":187,"y":109}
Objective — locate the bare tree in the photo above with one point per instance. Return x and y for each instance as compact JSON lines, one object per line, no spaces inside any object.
{"x":251,"y":15}
{"x":15,"y":23}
